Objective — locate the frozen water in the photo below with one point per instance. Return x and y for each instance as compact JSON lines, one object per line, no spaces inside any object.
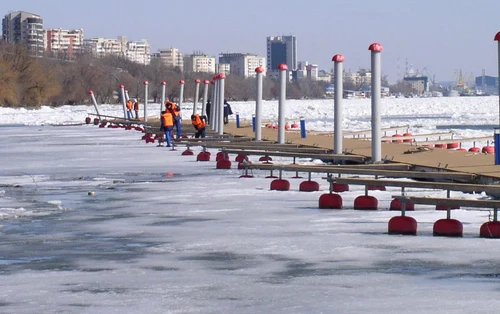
{"x":166,"y":234}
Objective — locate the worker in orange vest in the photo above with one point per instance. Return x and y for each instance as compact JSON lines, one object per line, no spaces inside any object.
{"x":136,"y":108}
{"x":129,"y":108}
{"x":176,"y":112}
{"x":199,"y":124}
{"x":167,"y":124}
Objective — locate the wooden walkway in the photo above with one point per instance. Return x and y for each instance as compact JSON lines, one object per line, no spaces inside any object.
{"x":479,"y":165}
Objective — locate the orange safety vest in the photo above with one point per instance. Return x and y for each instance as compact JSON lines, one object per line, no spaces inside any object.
{"x":129,"y":104}
{"x":136,"y":105}
{"x":198,"y":123}
{"x":167,"y":118}
{"x":175,"y":109}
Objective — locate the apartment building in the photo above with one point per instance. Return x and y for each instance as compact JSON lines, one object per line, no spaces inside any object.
{"x":138,"y":51}
{"x":63,"y":43}
{"x":24,"y":28}
{"x":171,"y":57}
{"x":242,"y":64}
{"x":199,"y":62}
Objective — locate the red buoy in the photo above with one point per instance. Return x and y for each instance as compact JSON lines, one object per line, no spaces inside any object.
{"x":102,"y":125}
{"x":294,"y":126}
{"x":240,"y":157}
{"x":402,"y":225}
{"x":203,"y":156}
{"x":309,"y":186}
{"x":395,"y":138}
{"x":87,"y":120}
{"x":366,"y":202}
{"x":340,"y":187}
{"x":187,"y":152}
{"x":221,"y":155}
{"x":474,"y":149}
{"x":223,"y":164}
{"x":407,"y":140}
{"x":452,"y":145}
{"x":490,"y":229}
{"x":287,"y":126}
{"x":446,"y":207}
{"x":448,"y":228}
{"x":440,"y":145}
{"x":96,"y":121}
{"x":246,"y":176}
{"x":396,"y":205}
{"x":488,"y":149}
{"x":265,"y":158}
{"x":330,"y":201}
{"x":280,"y":185}
{"x":376,"y":188}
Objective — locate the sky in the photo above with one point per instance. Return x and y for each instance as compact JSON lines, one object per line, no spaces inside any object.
{"x":436,"y":38}
{"x":162,"y":233}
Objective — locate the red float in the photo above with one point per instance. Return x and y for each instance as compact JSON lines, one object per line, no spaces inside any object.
{"x":366,"y":202}
{"x":440,"y":145}
{"x":448,"y":228}
{"x":474,"y":149}
{"x":102,"y":125}
{"x":128,"y":127}
{"x":490,"y":229}
{"x":187,"y":152}
{"x":488,"y":150}
{"x":240,"y":158}
{"x":265,"y":158}
{"x":395,"y":140}
{"x":309,"y":186}
{"x":408,"y":140}
{"x":203,"y":156}
{"x":150,"y":140}
{"x":446,"y":207}
{"x":221,"y":156}
{"x":287,"y":126}
{"x":452,"y":145}
{"x":223,"y":164}
{"x":396,"y":205}
{"x":402,"y":225}
{"x":338,"y":187}
{"x":376,"y":188}
{"x":330,"y":201}
{"x":294,"y":126}
{"x":280,"y":185}
{"x":87,"y":120}
{"x":96,"y":121}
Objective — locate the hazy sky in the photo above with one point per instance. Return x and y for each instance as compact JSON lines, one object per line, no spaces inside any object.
{"x":439,"y":36}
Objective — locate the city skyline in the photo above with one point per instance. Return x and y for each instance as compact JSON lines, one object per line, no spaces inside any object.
{"x":435,"y":38}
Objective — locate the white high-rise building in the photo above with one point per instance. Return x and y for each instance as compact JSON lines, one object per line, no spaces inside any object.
{"x":138,"y":51}
{"x":242,"y":64}
{"x":199,"y":62}
{"x":171,"y":57}
{"x":24,"y":28}
{"x":63,"y":43}
{"x":101,"y":47}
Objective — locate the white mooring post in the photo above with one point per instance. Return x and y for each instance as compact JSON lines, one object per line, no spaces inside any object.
{"x":258,"y":104}
{"x":376,"y":49}
{"x":339,"y":93}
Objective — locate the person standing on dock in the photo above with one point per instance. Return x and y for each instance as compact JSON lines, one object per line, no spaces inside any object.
{"x":136,"y":108}
{"x":227,"y":112}
{"x":167,"y":124}
{"x":176,"y":114}
{"x":208,"y":107}
{"x":129,"y":109}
